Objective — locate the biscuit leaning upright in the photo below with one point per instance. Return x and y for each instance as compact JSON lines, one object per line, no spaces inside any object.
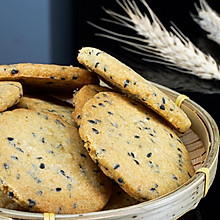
{"x":130,"y":82}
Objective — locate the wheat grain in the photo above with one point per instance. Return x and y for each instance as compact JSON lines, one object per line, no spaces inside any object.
{"x":171,"y":48}
{"x":208,"y":20}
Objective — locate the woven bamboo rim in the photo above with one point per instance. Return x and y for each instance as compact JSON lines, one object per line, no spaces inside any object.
{"x":202,"y":142}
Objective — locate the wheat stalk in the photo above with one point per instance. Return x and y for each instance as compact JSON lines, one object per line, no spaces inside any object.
{"x":170,"y":48}
{"x":208,"y":20}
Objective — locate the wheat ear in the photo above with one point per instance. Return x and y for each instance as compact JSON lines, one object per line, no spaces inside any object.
{"x":154,"y":41}
{"x":208,"y":20}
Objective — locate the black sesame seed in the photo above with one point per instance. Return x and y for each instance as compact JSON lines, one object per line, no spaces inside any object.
{"x":136,"y":162}
{"x":126,"y":83}
{"x":14,"y":157}
{"x":59,"y":122}
{"x":137,"y":136}
{"x":74,"y":77}
{"x":92,"y":121}
{"x":14,"y":71}
{"x":101,"y":104}
{"x":42,"y":166}
{"x":69,"y":186}
{"x":83,"y":155}
{"x":131,"y":154}
{"x":46,"y":117}
{"x":6,"y":166}
{"x":10,"y":194}
{"x":31,"y":203}
{"x":120,"y":180}
{"x":162,"y":107}
{"x":74,"y":205}
{"x":98,"y":53}
{"x":116,"y":166}
{"x":110,"y":113}
{"x":43,"y":140}
{"x":58,"y":189}
{"x":163,"y":100}
{"x":179,"y":150}
{"x":62,"y":172}
{"x":96,"y":65}
{"x":174,"y":177}
{"x":179,"y":155}
{"x":39,"y":192}
{"x":59,"y":210}
{"x":149,"y":154}
{"x":96,"y":131}
{"x":105,"y":69}
{"x":10,"y":138}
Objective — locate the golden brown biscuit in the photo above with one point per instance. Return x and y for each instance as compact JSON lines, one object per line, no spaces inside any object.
{"x":48,"y":77}
{"x":82,"y":96}
{"x":127,"y":80}
{"x":45,"y":167}
{"x":10,"y":94}
{"x":133,"y":146}
{"x":48,"y":104}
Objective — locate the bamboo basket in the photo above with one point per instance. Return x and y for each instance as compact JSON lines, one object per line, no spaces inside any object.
{"x":202,"y":142}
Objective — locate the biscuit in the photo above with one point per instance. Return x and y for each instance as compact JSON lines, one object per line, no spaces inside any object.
{"x":7,"y":203}
{"x":82,"y":96}
{"x":133,"y":146}
{"x":10,"y":94}
{"x":48,"y":104}
{"x":119,"y":198}
{"x":130,"y":82}
{"x":47,"y":76}
{"x":45,"y":167}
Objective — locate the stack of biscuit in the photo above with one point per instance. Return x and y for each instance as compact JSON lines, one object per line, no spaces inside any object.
{"x":112,"y":147}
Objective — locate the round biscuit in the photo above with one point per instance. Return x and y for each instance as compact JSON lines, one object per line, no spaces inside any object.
{"x":48,"y":77}
{"x":133,"y":146}
{"x":48,"y":104}
{"x":82,"y":96}
{"x":127,"y":80}
{"x":44,"y":166}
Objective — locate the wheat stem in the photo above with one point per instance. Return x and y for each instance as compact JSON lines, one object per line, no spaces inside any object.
{"x":171,"y":48}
